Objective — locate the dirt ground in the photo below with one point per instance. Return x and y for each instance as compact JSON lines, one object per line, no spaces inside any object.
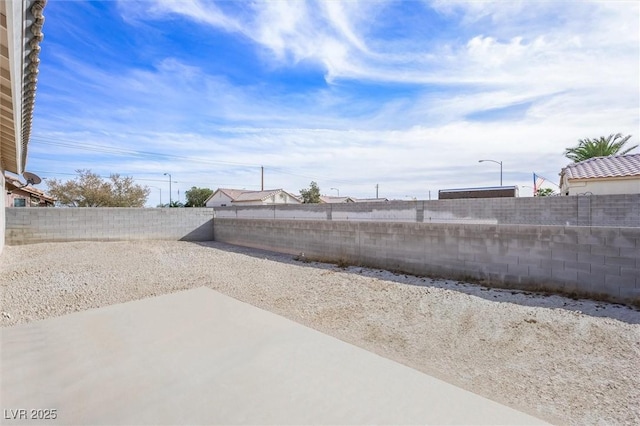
{"x":565,"y":361}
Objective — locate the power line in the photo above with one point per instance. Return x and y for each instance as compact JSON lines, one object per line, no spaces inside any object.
{"x":221,"y":185}
{"x":149,"y":154}
{"x":120,"y":151}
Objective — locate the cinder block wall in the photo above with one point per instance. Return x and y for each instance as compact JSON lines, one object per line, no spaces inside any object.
{"x":3,"y":200}
{"x":582,"y":260}
{"x":596,"y":210}
{"x":585,"y":260}
{"x":38,"y":225}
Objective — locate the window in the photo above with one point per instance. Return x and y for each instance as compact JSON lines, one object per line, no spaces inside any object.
{"x":19,"y":202}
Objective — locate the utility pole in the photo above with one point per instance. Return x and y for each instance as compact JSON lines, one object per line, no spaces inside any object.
{"x":377,"y":191}
{"x":262,"y":178}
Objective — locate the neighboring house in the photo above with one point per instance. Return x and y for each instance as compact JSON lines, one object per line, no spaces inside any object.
{"x":18,"y":195}
{"x":370,"y":200}
{"x":330,"y":199}
{"x":20,"y":36}
{"x":619,"y":174}
{"x":223,"y":197}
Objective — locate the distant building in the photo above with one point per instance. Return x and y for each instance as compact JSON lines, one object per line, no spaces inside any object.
{"x":331,"y":199}
{"x":224,"y":197}
{"x":617,"y":174}
{"x":483,"y":192}
{"x":370,"y":200}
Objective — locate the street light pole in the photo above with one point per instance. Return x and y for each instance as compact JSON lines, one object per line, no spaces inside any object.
{"x":497,"y":162}
{"x":337,"y":190}
{"x":169,"y":174}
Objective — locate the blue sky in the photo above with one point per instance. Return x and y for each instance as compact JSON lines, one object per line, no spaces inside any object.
{"x":407,"y":95}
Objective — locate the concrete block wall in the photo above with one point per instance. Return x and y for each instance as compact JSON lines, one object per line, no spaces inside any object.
{"x":582,"y":259}
{"x":377,"y":211}
{"x":615,"y":210}
{"x":276,"y":211}
{"x":596,"y":210}
{"x":531,"y":210}
{"x":3,"y":200}
{"x":571,"y":259}
{"x":37,"y":225}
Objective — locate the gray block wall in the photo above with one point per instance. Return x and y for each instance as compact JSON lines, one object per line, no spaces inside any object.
{"x":595,"y":210}
{"x":589,"y":261}
{"x":37,"y":225}
{"x":3,"y":200}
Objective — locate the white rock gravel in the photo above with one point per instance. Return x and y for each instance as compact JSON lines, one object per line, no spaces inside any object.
{"x":565,"y":361}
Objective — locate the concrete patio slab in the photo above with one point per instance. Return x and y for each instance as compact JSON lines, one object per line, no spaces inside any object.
{"x":199,"y":357}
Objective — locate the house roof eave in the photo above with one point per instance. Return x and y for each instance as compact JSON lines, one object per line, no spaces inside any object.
{"x":23,"y":34}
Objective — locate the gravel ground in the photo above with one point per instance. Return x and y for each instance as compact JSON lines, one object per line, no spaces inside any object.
{"x":566,"y":361}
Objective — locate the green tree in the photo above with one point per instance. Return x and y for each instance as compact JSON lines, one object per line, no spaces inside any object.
{"x":310,"y":195}
{"x":545,"y":192}
{"x":90,"y":190}
{"x":196,"y":197}
{"x":601,"y":147}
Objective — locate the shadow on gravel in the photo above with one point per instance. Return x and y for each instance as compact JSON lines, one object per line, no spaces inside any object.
{"x":593,"y":308}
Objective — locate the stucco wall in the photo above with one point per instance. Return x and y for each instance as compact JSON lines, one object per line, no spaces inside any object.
{"x":582,"y":260}
{"x":218,"y":199}
{"x":36,"y":225}
{"x":605,"y":186}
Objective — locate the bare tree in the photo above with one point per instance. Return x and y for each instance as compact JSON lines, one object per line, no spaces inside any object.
{"x":91,"y":190}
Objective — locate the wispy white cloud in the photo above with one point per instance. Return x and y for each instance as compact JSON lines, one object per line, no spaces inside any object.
{"x":199,"y":11}
{"x":410,"y":106}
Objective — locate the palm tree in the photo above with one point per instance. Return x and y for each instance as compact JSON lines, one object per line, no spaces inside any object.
{"x":601,"y":147}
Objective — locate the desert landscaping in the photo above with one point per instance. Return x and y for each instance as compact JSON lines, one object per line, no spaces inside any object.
{"x":563,"y":360}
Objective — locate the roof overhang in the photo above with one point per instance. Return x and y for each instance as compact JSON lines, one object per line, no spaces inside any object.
{"x":20,"y":36}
